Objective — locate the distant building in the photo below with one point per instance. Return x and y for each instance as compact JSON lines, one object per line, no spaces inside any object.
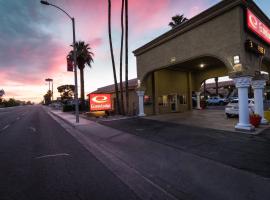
{"x":225,"y":89}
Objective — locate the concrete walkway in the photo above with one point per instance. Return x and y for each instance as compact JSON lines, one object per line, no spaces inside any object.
{"x":158,"y":170}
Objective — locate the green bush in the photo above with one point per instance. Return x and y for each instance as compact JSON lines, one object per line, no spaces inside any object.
{"x":68,"y":108}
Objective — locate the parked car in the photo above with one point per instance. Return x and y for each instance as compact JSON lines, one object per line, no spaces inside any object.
{"x":229,"y":99}
{"x":215,"y":101}
{"x":232,"y":109}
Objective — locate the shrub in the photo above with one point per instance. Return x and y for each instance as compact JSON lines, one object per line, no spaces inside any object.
{"x":68,"y":108}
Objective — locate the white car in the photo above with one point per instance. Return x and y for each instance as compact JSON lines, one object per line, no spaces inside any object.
{"x":232,"y":109}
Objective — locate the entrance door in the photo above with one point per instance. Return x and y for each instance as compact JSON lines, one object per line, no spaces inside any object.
{"x":174,"y":103}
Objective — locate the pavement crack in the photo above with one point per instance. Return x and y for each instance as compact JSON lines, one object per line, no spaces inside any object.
{"x":5,"y":127}
{"x":52,"y":155}
{"x":33,"y":129}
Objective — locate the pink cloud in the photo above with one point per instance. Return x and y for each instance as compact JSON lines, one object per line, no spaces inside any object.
{"x":42,"y":42}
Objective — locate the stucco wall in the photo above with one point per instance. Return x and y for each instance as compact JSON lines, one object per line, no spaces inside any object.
{"x":219,"y":37}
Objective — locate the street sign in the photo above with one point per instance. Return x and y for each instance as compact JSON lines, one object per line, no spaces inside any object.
{"x":69,"y":65}
{"x":100,"y":102}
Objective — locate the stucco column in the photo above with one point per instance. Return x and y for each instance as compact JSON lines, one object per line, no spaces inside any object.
{"x":198,"y":94}
{"x":141,"y":103}
{"x":242,"y":84}
{"x":258,"y":87}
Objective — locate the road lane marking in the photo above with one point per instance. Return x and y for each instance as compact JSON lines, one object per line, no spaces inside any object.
{"x":5,"y":127}
{"x":18,"y":118}
{"x":53,"y":155}
{"x":33,"y":129}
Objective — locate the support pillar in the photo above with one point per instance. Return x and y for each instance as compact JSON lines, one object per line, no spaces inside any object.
{"x":242,"y":84}
{"x":198,"y":94}
{"x":204,"y":90}
{"x":258,"y":87}
{"x":141,"y":103}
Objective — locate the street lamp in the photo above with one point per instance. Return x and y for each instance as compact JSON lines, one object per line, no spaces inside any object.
{"x":74,"y":58}
{"x":50,"y":80}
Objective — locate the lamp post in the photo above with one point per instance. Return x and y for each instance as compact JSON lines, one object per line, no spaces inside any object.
{"x":74,"y":58}
{"x":50,"y":80}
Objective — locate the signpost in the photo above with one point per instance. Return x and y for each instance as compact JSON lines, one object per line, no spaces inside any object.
{"x":100,"y":102}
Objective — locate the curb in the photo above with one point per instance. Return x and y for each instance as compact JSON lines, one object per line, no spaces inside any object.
{"x":62,"y":118}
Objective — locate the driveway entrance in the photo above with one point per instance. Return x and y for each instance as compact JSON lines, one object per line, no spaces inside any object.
{"x":208,"y":118}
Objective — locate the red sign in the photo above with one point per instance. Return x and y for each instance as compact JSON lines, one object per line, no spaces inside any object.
{"x":100,"y":102}
{"x":258,"y":27}
{"x":69,"y":65}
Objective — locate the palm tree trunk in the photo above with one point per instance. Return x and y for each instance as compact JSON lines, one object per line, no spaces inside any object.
{"x":121,"y":58}
{"x":126,"y":54}
{"x":82,"y":88}
{"x":82,"y":83}
{"x":112,"y":57}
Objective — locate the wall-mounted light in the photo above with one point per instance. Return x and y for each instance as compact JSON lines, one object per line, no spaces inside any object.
{"x":138,"y":83}
{"x":236,"y":60}
{"x":202,"y":65}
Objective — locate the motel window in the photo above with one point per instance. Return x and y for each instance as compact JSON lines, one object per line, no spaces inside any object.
{"x":182,"y":99}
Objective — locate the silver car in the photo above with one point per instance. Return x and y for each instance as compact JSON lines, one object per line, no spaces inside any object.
{"x":232,"y":109}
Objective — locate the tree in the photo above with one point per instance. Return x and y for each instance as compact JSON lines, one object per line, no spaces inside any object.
{"x":2,"y":93}
{"x":66,"y":92}
{"x":11,"y":102}
{"x":177,"y":20}
{"x":112,"y":57}
{"x":121,"y":58}
{"x":48,"y":97}
{"x":126,"y":54}
{"x":84,"y":57}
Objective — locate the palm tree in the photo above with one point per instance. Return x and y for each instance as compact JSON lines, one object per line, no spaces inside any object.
{"x":112,"y":57}
{"x":84,"y":57}
{"x":126,"y":54}
{"x":177,"y":20}
{"x":121,"y":57}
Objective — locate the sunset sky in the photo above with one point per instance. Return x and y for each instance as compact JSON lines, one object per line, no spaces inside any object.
{"x":35,"y":39}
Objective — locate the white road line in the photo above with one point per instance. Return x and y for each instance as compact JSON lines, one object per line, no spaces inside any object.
{"x":52,"y":155}
{"x":33,"y":129}
{"x":5,"y":127}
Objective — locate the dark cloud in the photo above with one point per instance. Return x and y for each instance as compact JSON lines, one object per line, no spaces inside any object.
{"x":26,"y":45}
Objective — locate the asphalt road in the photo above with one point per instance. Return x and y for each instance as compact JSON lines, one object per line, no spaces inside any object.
{"x":40,"y":160}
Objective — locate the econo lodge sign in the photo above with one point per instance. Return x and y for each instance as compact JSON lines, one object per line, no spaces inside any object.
{"x":258,"y":27}
{"x":99,"y":102}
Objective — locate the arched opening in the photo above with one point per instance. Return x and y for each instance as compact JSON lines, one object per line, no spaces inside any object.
{"x":173,"y":88}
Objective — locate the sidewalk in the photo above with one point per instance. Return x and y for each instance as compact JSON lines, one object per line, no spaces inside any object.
{"x":170,"y":170}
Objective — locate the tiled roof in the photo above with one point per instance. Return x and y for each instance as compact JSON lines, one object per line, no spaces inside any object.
{"x":132,"y":84}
